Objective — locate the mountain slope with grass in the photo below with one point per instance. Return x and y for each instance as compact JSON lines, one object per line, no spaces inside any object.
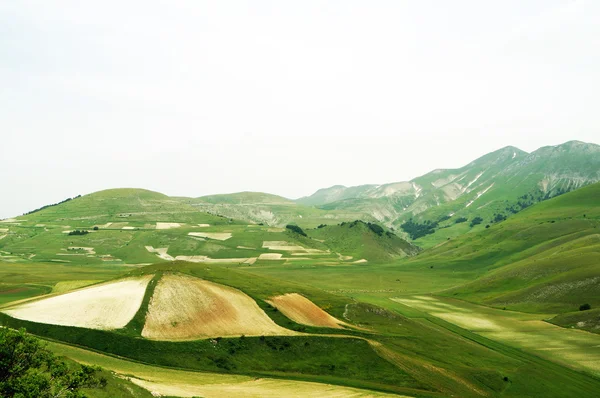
{"x":363,"y":241}
{"x":544,"y":259}
{"x":492,"y":187}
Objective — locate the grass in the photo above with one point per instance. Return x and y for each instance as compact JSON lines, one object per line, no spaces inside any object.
{"x":199,"y":382}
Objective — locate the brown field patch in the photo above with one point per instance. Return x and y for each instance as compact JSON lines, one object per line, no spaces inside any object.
{"x":186,"y":308}
{"x":301,"y":310}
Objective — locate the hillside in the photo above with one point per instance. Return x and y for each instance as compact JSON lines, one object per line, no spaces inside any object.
{"x":491,"y":187}
{"x":363,"y":241}
{"x":272,"y":210}
{"x":248,"y":198}
{"x":544,"y":259}
{"x":139,"y":227}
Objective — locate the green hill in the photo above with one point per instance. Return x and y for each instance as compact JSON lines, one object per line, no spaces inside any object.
{"x":544,"y":259}
{"x":248,"y":198}
{"x":363,"y":240}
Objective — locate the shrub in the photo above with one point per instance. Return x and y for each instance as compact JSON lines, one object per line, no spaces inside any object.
{"x":417,"y":230}
{"x":29,"y":369}
{"x":476,"y":221}
{"x":585,"y":307}
{"x":296,"y":229}
{"x":460,"y":219}
{"x":375,"y":228}
{"x":78,"y":232}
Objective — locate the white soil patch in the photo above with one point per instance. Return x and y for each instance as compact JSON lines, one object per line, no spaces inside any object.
{"x":192,"y":259}
{"x":251,"y":261}
{"x":167,"y":225}
{"x":270,"y":256}
{"x":274,"y":230}
{"x":2,"y":230}
{"x":301,"y":310}
{"x":361,"y":261}
{"x":282,"y":245}
{"x":3,"y":236}
{"x":203,"y":225}
{"x":10,"y":220}
{"x":245,"y":247}
{"x":129,"y":228}
{"x":160,"y":252}
{"x":184,"y":308}
{"x":108,"y":224}
{"x":206,"y":259}
{"x":341,"y":257}
{"x":212,"y":235}
{"x":108,"y":306}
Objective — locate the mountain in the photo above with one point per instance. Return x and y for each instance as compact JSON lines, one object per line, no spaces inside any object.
{"x":545,"y":259}
{"x":491,"y":187}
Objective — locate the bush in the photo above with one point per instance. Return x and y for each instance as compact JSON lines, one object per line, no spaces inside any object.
{"x":78,"y":232}
{"x":417,"y":230}
{"x":375,"y":228}
{"x":460,"y":219}
{"x":296,"y":229}
{"x":476,"y":221}
{"x":585,"y":307}
{"x":29,"y":369}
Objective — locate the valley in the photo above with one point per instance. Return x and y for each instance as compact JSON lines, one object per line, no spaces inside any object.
{"x":256,"y":295}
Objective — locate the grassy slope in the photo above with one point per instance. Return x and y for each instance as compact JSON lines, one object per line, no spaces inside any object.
{"x":545,"y":259}
{"x":357,"y":240}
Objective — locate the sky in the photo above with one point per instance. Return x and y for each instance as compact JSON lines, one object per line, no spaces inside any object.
{"x":191,"y":98}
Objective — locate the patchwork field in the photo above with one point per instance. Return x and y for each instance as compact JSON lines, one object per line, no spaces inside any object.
{"x":107,"y":306}
{"x":206,"y":305}
{"x":184,"y":307}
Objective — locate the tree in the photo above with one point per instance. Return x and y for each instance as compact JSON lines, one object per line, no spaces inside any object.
{"x":296,"y":229}
{"x":585,"y":307}
{"x":29,"y":370}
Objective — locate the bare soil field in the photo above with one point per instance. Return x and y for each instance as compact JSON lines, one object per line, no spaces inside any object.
{"x":186,"y":308}
{"x":301,"y":310}
{"x":107,"y":306}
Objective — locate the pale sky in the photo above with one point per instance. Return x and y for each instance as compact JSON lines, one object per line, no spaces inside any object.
{"x":199,"y":97}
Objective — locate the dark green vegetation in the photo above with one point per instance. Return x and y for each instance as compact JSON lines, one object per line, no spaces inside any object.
{"x":28,"y":370}
{"x":296,"y":229}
